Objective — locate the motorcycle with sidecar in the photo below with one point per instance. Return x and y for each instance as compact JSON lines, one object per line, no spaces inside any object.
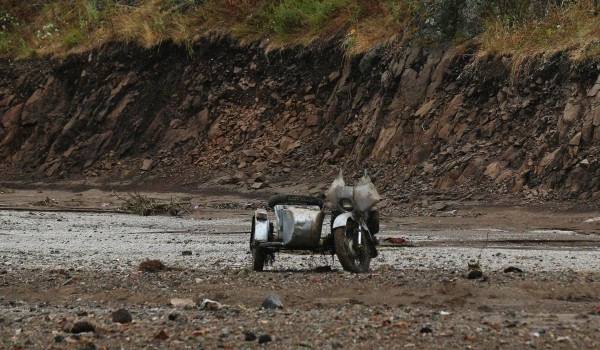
{"x":299,"y":220}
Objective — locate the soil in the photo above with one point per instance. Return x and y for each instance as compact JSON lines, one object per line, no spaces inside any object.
{"x":70,"y":259}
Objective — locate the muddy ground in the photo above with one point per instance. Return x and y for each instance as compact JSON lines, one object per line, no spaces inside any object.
{"x":69,"y":259}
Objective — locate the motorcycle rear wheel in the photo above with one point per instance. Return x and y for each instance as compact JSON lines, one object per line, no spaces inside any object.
{"x":353,"y":257}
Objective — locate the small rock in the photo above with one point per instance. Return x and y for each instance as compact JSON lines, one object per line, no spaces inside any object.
{"x":86,"y":345}
{"x":186,"y":253}
{"x":208,"y":304}
{"x":121,"y":316}
{"x":147,"y":165}
{"x":162,"y":335}
{"x":439,"y":206}
{"x":184,"y":303}
{"x":82,"y":327}
{"x":474,"y":274}
{"x":173,"y":316}
{"x":426,"y":329}
{"x":149,"y":265}
{"x":265,"y":338}
{"x":512,"y":269}
{"x":249,"y":336}
{"x":272,"y":301}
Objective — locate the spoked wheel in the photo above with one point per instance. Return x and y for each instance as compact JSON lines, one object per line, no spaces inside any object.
{"x":354,"y":257}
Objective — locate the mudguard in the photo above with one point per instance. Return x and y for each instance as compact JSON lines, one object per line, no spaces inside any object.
{"x":341,"y":220}
{"x":261,"y":226}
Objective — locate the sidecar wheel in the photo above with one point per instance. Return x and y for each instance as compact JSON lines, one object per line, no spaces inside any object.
{"x":259,"y":256}
{"x":353,"y":257}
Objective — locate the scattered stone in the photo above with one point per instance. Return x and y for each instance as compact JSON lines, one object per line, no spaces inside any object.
{"x":121,"y":316}
{"x":150,"y":265}
{"x":474,"y":270}
{"x":182,"y":303}
{"x":207,"y":304}
{"x":439,"y":206}
{"x":272,"y":301}
{"x":474,"y":274}
{"x":249,"y":336}
{"x":162,"y":335}
{"x":173,"y":316}
{"x":512,"y":269}
{"x":186,"y":253}
{"x":82,"y":327}
{"x":147,"y":165}
{"x":265,"y":338}
{"x":426,"y":329}
{"x":86,"y":345}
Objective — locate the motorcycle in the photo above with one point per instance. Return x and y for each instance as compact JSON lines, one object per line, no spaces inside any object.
{"x":299,"y":221}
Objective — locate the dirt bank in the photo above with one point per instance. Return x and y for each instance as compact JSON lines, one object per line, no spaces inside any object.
{"x":440,"y":121}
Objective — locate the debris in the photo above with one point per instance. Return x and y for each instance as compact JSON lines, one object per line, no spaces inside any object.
{"x":142,"y":205}
{"x":396,"y":240}
{"x":249,"y":336}
{"x":186,"y":253}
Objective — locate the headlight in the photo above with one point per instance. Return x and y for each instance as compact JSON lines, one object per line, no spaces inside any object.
{"x":346,"y":204}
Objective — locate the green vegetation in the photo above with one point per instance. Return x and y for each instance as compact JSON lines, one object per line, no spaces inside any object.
{"x":515,"y":27}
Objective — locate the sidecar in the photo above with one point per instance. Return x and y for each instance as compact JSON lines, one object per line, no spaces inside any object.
{"x":297,"y":225}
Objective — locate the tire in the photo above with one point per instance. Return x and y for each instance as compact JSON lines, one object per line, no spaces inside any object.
{"x":259,"y":256}
{"x":353,"y":258}
{"x":294,"y":199}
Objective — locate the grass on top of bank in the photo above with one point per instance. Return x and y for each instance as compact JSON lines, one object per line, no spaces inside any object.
{"x":59,"y":27}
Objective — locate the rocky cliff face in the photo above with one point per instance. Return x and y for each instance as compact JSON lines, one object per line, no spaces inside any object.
{"x":435,"y":118}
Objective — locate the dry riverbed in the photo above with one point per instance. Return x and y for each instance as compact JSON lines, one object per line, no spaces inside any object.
{"x":65,"y":271}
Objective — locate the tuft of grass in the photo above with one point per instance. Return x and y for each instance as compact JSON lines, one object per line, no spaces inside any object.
{"x":59,"y":27}
{"x":572,"y":28}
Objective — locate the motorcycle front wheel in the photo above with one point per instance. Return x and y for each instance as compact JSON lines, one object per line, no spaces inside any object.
{"x":354,"y":257}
